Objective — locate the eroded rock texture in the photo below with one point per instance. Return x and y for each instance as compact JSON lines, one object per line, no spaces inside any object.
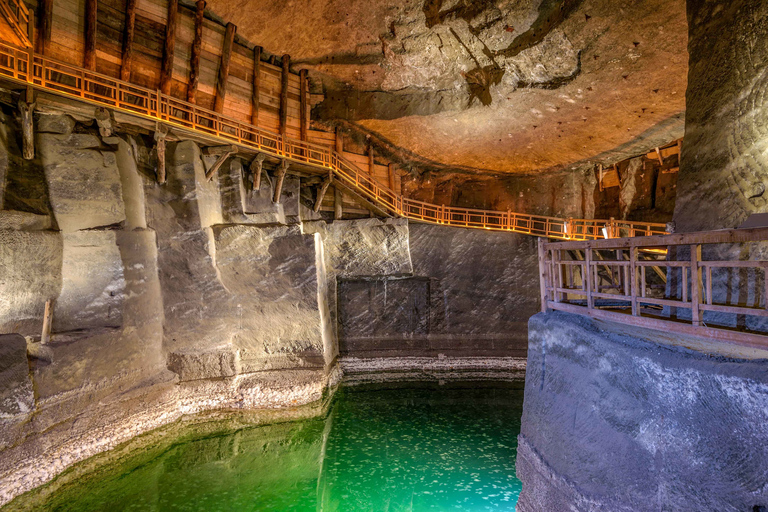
{"x":724,"y":151}
{"x":622,"y":420}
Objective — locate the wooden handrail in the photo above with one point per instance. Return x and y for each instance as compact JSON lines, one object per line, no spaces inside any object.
{"x":571,"y":282}
{"x":63,"y":79}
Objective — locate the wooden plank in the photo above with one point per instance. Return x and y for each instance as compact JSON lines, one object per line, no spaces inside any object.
{"x":197,"y":42}
{"x":695,"y":284}
{"x":91,"y":10}
{"x":130,"y":28}
{"x":303,"y":117}
{"x":223,"y":76}
{"x":284,"y":94}
{"x":169,"y":51}
{"x":255,"y":84}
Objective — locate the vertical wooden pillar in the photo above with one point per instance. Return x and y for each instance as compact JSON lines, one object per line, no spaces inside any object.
{"x":45,"y":336}
{"x":339,"y":141}
{"x":391,"y":172}
{"x":45,"y":19}
{"x":27,"y":109}
{"x":255,"y":91}
{"x":130,"y":29}
{"x":197,"y":50}
{"x":226,"y":56}
{"x":284,"y":95}
{"x":371,"y":163}
{"x":588,"y":269}
{"x":303,"y":94}
{"x":543,"y":275}
{"x":338,"y":203}
{"x":161,"y":132}
{"x":279,"y":182}
{"x":91,"y":9}
{"x":633,"y":277}
{"x":166,"y":75}
{"x":695,"y":284}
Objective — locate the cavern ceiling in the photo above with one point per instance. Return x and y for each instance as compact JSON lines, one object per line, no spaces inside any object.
{"x":509,"y":86}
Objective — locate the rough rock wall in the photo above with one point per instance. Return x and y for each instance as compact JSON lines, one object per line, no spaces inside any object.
{"x":470,"y":294}
{"x":725,"y":146}
{"x":619,"y":419}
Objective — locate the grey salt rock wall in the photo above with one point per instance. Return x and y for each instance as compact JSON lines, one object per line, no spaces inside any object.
{"x":630,"y":420}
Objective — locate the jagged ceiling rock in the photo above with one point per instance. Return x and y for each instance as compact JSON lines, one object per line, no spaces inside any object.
{"x":500,"y":85}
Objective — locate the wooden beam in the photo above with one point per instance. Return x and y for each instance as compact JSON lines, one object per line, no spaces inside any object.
{"x":303,"y":96}
{"x":166,"y":74}
{"x":371,"y":163}
{"x":45,"y":20}
{"x":161,"y":132}
{"x":321,"y":193}
{"x":256,"y":168}
{"x":226,"y":55}
{"x":339,"y":141}
{"x":255,"y":85}
{"x":338,"y":203}
{"x":91,"y":9}
{"x":284,"y":95}
{"x":130,"y":29}
{"x":45,"y":336}
{"x":280,"y":178}
{"x":27,"y":109}
{"x":224,"y":153}
{"x":391,"y":172}
{"x":197,"y":51}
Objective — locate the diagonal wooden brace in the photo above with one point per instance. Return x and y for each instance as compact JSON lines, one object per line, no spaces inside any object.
{"x":280,"y":177}
{"x":224,"y":153}
{"x":255,"y":169}
{"x":321,"y":193}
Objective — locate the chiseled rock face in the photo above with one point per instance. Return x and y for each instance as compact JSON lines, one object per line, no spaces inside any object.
{"x":93,"y":282}
{"x":613,"y":421}
{"x":83,"y":182}
{"x":211,"y":364}
{"x":31,"y":266}
{"x":16,"y":394}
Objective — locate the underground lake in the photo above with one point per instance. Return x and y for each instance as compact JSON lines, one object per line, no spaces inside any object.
{"x":412,"y":448}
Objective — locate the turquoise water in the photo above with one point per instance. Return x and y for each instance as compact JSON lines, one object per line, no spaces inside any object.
{"x":376,"y":450}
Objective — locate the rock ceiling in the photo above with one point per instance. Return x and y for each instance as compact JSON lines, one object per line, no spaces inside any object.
{"x":510,"y":86}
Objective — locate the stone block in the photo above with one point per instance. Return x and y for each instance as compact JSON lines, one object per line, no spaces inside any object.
{"x":211,"y":364}
{"x":54,"y":123}
{"x":16,"y":394}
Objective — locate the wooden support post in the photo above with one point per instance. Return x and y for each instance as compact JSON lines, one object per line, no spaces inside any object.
{"x":391,"y":172}
{"x":339,"y":141}
{"x":280,"y":178}
{"x":224,"y":152}
{"x":658,"y":155}
{"x":91,"y":8}
{"x":321,"y":193}
{"x":130,"y":29}
{"x":633,"y":278}
{"x":338,"y":205}
{"x":104,"y":121}
{"x":255,"y":91}
{"x":256,"y":168}
{"x":543,"y":277}
{"x":557,"y":280}
{"x":303,"y":97}
{"x":284,"y":95}
{"x":197,"y":51}
{"x":588,"y":276}
{"x":45,"y":336}
{"x":45,"y":20}
{"x":166,"y":75}
{"x":695,"y":284}
{"x":27,"y":109}
{"x":371,"y":163}
{"x":223,"y":77}
{"x":161,"y":132}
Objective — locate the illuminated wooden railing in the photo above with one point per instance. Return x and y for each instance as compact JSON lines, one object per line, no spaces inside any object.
{"x":16,"y":14}
{"x":612,"y":280}
{"x":75,"y":82}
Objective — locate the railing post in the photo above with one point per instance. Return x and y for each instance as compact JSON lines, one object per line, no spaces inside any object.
{"x":588,"y":276}
{"x":695,"y":284}
{"x":557,"y":279}
{"x":543,"y":275}
{"x":633,"y":277}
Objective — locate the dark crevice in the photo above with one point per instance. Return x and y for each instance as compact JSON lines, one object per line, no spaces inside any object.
{"x":551,"y":14}
{"x":465,"y":9}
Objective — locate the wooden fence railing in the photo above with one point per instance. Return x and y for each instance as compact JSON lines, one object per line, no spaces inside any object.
{"x":612,"y":280}
{"x":23,"y":66}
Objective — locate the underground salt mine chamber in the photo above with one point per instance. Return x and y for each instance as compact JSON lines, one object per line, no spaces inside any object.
{"x":383,"y":255}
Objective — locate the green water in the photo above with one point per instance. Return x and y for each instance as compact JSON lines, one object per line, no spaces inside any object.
{"x":376,"y":450}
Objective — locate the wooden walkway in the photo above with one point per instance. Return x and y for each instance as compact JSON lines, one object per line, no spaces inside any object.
{"x":25,"y":67}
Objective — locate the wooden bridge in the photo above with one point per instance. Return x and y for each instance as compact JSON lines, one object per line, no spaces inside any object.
{"x":20,"y":64}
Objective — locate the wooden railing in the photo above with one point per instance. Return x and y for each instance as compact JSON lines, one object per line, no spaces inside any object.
{"x":626,"y":280}
{"x":71,"y":81}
